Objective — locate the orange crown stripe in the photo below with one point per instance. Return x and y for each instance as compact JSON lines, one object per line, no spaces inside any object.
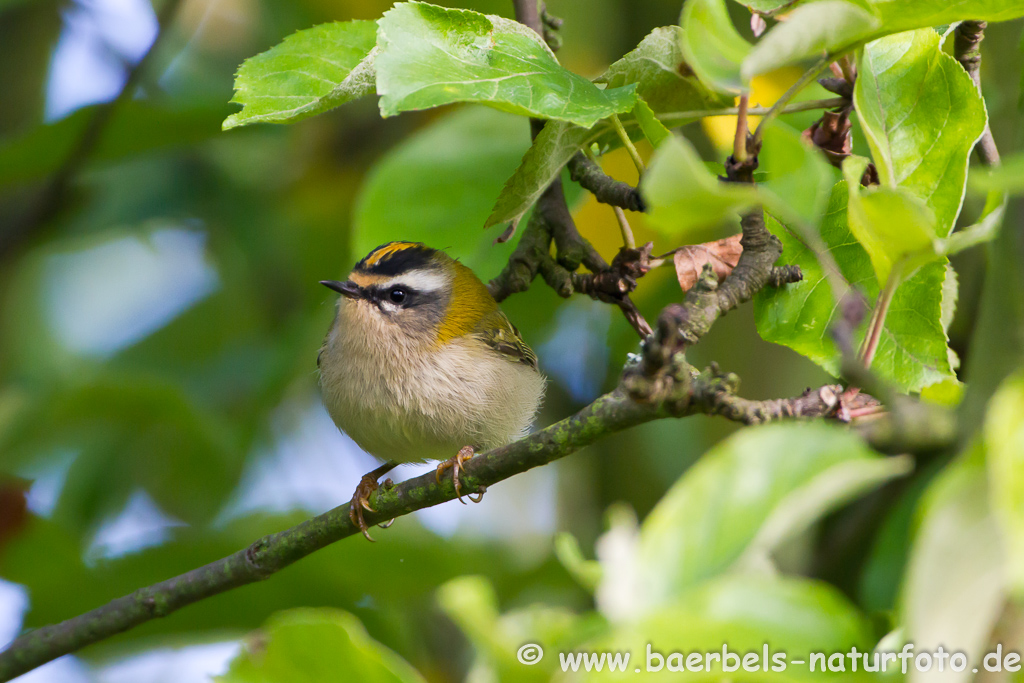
{"x":387,"y":250}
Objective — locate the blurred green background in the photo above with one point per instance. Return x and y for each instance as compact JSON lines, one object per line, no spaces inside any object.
{"x":161,"y":316}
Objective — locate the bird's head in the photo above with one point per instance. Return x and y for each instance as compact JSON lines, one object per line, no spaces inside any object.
{"x":425,"y":293}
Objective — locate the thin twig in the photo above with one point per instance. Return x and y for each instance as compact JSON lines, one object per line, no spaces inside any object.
{"x":877,"y":323}
{"x":627,"y":232}
{"x":967,"y":48}
{"x":551,"y":222}
{"x":528,"y":14}
{"x":806,"y":79}
{"x":607,"y":190}
{"x":678,"y":118}
{"x":628,"y":144}
{"x":739,"y":143}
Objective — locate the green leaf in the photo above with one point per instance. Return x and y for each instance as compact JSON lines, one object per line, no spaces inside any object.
{"x":745,"y":614}
{"x":653,"y":129}
{"x":317,"y":645}
{"x":921,"y":115}
{"x":308,"y":73}
{"x":1004,"y":443}
{"x":656,"y":68}
{"x":543,"y":161}
{"x":913,"y":352}
{"x":954,"y":586}
{"x":810,"y":30}
{"x":683,"y":196}
{"x":885,"y":561}
{"x":767,"y":7}
{"x":985,"y":230}
{"x":904,"y":15}
{"x":680,"y":191}
{"x":1007,"y":177}
{"x":835,"y":26}
{"x":895,"y":228}
{"x":446,"y":174}
{"x":662,"y":77}
{"x":799,"y":177}
{"x":430,"y":56}
{"x":586,"y":572}
{"x":827,"y":491}
{"x":947,"y":393}
{"x":712,"y":47}
{"x":761,"y":486}
{"x":471,"y":602}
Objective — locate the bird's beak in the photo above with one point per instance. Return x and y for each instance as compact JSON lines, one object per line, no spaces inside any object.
{"x":347,"y":288}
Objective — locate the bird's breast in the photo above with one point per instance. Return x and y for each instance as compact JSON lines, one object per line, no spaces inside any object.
{"x":404,"y":402}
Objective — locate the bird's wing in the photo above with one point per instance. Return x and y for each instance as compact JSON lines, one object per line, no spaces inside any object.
{"x":500,"y":334}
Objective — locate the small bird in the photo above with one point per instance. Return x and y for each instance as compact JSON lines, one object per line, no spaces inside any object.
{"x":421,"y":364}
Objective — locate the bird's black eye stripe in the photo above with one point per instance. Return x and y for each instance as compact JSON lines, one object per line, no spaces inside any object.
{"x":399,"y":295}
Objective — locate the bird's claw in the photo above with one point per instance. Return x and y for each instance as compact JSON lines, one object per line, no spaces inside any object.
{"x":456,"y":464}
{"x":360,"y":500}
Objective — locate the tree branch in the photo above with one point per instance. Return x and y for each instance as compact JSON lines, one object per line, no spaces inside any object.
{"x":528,"y":14}
{"x":268,"y":555}
{"x":658,"y":385}
{"x":710,"y":392}
{"x":967,"y":48}
{"x":662,"y":384}
{"x":550,"y":222}
{"x":708,"y":299}
{"x":605,"y":189}
{"x":608,"y":190}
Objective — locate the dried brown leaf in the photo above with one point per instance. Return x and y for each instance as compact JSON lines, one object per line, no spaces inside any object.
{"x":723,"y":255}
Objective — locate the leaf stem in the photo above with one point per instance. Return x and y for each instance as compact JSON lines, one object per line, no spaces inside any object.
{"x":627,"y":232}
{"x":800,"y":84}
{"x":678,"y":118}
{"x":739,"y":143}
{"x":624,"y":136}
{"x":867,"y":353}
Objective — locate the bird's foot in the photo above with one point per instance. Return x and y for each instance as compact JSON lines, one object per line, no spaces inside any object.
{"x":456,"y":465}
{"x":361,"y":498}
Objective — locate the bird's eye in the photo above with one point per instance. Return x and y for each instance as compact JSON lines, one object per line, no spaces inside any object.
{"x":397,"y":295}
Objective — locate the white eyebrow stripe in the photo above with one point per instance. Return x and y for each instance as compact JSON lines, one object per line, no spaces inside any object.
{"x":421,"y":280}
